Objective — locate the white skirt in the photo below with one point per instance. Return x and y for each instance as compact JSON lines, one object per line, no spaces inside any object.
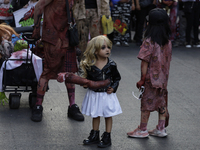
{"x":101,"y":104}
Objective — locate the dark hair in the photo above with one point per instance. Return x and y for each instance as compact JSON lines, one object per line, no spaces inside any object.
{"x":158,"y":33}
{"x":158,"y":28}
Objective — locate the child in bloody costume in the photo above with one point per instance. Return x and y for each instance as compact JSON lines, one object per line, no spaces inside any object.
{"x":155,"y":54}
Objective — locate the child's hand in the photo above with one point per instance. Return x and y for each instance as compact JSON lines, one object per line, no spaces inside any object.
{"x":110,"y":90}
{"x":85,"y":86}
{"x":133,"y":6}
{"x":138,"y":7}
{"x":140,"y":83}
{"x":61,"y":77}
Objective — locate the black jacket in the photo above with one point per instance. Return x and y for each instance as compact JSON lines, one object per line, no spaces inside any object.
{"x":109,"y":71}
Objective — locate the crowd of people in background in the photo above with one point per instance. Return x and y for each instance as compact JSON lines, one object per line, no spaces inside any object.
{"x":184,"y":20}
{"x":171,"y":22}
{"x":129,"y":19}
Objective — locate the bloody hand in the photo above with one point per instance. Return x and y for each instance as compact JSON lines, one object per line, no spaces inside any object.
{"x":110,"y":90}
{"x":61,"y":77}
{"x":140,"y":83}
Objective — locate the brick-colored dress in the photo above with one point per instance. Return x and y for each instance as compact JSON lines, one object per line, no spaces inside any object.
{"x":158,"y":58}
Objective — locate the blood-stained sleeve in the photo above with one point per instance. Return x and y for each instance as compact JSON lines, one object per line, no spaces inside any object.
{"x":145,"y":50}
{"x":39,"y":9}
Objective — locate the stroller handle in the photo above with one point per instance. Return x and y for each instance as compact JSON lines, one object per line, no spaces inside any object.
{"x":28,"y":36}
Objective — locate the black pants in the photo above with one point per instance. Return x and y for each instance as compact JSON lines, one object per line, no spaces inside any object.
{"x":141,"y":17}
{"x":192,"y":14}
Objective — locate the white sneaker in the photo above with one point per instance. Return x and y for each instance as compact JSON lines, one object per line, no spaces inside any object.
{"x":188,"y":46}
{"x":196,"y":45}
{"x":159,"y":133}
{"x":138,"y":133}
{"x":126,"y":44}
{"x":118,"y":44}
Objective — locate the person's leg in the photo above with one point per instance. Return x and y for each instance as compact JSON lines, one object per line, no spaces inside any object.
{"x":95,"y":27}
{"x":182,"y":27}
{"x":108,"y":123}
{"x":140,"y":15}
{"x":71,"y":93}
{"x":83,"y":31}
{"x":144,"y":120}
{"x":160,"y":130}
{"x":189,"y":18}
{"x":116,"y":17}
{"x":94,"y":133}
{"x":41,"y":89}
{"x":126,"y":17}
{"x":162,"y":117}
{"x":141,"y":131}
{"x":73,"y":109}
{"x":106,"y":136}
{"x":96,"y":123}
{"x":50,"y":67}
{"x":38,"y":109}
{"x":196,"y":24}
{"x":173,"y":17}
{"x":69,"y":65}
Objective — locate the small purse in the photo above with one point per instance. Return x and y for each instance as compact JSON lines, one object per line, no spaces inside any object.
{"x":72,"y":31}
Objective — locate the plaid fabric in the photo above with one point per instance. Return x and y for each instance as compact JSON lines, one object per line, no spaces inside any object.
{"x":58,"y":60}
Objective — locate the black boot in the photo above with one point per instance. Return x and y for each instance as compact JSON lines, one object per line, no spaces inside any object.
{"x":74,"y":113}
{"x":37,"y":113}
{"x":105,"y":141}
{"x":93,"y":138}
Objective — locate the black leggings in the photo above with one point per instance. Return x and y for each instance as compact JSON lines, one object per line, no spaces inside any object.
{"x":192,"y":14}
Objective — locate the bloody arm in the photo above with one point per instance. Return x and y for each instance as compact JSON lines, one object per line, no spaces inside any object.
{"x":39,"y":9}
{"x":144,"y":66}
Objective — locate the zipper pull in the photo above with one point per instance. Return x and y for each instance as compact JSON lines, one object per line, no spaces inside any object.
{"x":103,"y":76}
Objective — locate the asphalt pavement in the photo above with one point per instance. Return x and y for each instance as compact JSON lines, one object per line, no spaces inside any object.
{"x":58,"y":132}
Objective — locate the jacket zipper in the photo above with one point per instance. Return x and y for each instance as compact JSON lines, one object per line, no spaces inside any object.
{"x":104,"y":79}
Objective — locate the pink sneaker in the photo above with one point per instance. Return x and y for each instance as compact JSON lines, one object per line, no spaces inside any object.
{"x":159,"y":133}
{"x":137,"y":133}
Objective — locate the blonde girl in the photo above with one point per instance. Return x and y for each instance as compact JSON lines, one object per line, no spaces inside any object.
{"x":102,"y":102}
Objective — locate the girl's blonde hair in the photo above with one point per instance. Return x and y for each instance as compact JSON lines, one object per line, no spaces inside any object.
{"x":89,"y":56}
{"x":6,"y":29}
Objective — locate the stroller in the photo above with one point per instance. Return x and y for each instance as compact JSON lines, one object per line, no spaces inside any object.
{"x":23,"y":78}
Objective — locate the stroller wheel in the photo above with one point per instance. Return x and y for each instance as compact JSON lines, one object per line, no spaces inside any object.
{"x":32,"y":100}
{"x":14,"y":100}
